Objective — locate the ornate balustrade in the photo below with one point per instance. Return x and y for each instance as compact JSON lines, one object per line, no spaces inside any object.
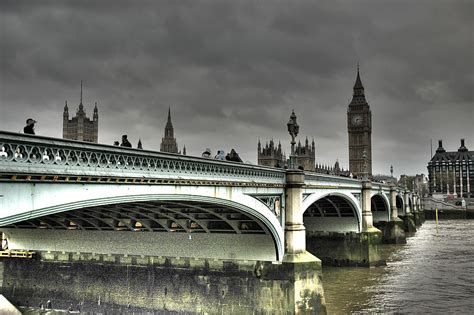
{"x":28,"y":154}
{"x":317,"y":179}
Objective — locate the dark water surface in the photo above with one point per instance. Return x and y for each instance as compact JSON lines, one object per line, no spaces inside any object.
{"x":432,"y":274}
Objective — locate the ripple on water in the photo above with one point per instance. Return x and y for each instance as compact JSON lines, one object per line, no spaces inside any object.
{"x":433,"y":274}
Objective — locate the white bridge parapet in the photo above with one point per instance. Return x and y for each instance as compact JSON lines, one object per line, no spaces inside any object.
{"x":26,"y":154}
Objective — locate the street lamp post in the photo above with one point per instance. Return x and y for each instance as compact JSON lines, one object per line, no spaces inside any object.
{"x":293,"y":129}
{"x":365,"y":173}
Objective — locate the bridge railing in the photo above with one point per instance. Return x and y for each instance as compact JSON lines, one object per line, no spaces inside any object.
{"x":318,"y":179}
{"x":29,"y":154}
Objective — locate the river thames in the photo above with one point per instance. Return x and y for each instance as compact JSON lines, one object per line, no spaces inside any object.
{"x":432,"y":274}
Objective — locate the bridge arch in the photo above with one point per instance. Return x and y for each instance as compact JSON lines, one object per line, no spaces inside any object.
{"x":380,"y":207}
{"x":190,"y":226}
{"x":331,"y":212}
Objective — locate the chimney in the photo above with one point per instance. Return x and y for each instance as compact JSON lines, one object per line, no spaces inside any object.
{"x":462,"y":148}
{"x":440,"y":148}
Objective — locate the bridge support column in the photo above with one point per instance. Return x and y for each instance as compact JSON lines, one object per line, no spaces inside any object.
{"x":367,"y":219}
{"x":394,"y":229}
{"x":417,"y":214}
{"x":408,"y":219}
{"x":371,"y":236}
{"x":295,"y":234}
{"x":304,"y":268}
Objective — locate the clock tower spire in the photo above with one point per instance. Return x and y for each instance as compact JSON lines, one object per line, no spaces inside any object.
{"x":359,"y":127}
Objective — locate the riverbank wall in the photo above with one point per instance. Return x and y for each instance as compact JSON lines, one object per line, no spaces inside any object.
{"x":117,"y":284}
{"x":446,"y":210}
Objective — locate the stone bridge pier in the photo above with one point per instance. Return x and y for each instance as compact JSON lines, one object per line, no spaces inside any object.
{"x":306,"y":269}
{"x":408,"y":218}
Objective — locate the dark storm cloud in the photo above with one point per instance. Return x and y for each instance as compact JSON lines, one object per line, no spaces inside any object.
{"x":231,"y":71}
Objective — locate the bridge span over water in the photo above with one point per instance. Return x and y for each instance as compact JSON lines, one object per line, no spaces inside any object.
{"x":65,"y":195}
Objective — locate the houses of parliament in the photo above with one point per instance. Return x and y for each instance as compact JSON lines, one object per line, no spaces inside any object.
{"x":359,"y":128}
{"x":82,"y":128}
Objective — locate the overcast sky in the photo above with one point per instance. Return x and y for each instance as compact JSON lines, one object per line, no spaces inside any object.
{"x":232,"y":71}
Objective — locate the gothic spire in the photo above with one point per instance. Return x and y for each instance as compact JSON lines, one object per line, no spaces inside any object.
{"x":358,"y":96}
{"x":358,"y":87}
{"x":168,"y":143}
{"x":169,"y":116}
{"x":80,"y":103}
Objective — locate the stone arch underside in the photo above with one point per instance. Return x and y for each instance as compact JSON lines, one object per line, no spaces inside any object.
{"x":204,"y":228}
{"x":380,"y":208}
{"x":400,"y":207}
{"x":331,"y":213}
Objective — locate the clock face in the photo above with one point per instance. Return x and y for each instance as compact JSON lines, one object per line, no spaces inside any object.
{"x":357,"y":120}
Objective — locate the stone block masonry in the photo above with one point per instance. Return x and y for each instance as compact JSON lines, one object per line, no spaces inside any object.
{"x":117,"y":284}
{"x":346,"y":249}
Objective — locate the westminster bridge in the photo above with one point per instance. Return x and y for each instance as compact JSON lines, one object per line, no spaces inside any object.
{"x":83,"y":203}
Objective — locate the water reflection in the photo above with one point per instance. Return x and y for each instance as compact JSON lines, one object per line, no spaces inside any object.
{"x":433,"y":273}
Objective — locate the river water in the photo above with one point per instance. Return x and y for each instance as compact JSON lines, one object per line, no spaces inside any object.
{"x":432,"y":274}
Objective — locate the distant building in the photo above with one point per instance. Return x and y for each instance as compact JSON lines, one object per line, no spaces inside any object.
{"x":168,"y":142}
{"x":273,"y":156}
{"x":452,"y":173}
{"x":305,"y":155}
{"x":331,"y":170}
{"x":270,"y":155}
{"x":416,"y":183}
{"x":80,"y":127}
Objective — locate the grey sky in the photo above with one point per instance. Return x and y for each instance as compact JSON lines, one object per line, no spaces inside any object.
{"x":232,"y":71}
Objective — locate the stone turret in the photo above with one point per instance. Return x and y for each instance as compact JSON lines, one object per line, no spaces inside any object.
{"x":80,"y":127}
{"x":270,"y":155}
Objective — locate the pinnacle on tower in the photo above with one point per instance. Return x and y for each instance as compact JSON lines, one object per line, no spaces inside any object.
{"x":65,"y":113}
{"x":80,"y":103}
{"x":358,"y":87}
{"x":169,"y":115}
{"x":168,"y":143}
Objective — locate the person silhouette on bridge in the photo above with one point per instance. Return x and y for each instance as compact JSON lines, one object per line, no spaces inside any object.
{"x":220,"y":155}
{"x":233,"y":156}
{"x":30,"y":126}
{"x":207,"y":153}
{"x":125,"y":142}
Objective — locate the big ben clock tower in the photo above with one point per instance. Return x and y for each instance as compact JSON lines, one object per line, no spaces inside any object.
{"x":359,"y":127}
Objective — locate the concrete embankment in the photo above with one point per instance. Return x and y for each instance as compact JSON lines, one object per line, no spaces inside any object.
{"x":447,"y":210}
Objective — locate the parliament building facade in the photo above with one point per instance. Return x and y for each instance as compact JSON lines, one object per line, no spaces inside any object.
{"x":80,"y":127}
